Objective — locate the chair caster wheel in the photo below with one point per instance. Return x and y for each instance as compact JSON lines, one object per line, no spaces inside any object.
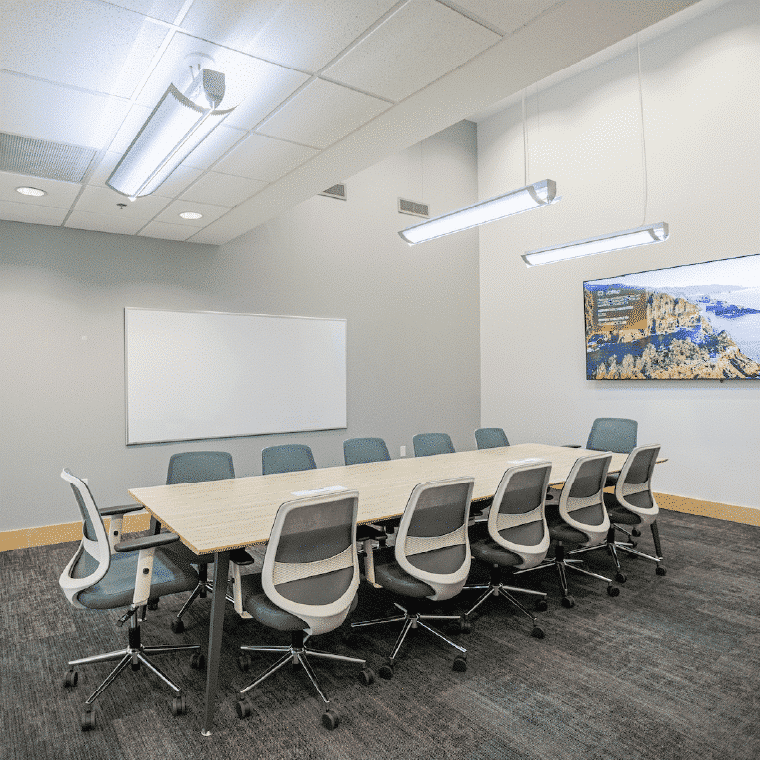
{"x":568,"y":601}
{"x":660,"y":570}
{"x":88,"y":721}
{"x":464,"y":625}
{"x":135,"y":666}
{"x":386,"y":671}
{"x":460,"y":664}
{"x":621,"y":577}
{"x":198,"y":661}
{"x":179,"y":706}
{"x":367,"y":677}
{"x":613,"y":591}
{"x":537,"y":632}
{"x":635,"y":532}
{"x":177,"y":625}
{"x":542,"y":605}
{"x":330,"y":719}
{"x":153,"y":604}
{"x":244,"y":662}
{"x":71,"y":678}
{"x":242,"y":708}
{"x":633,"y":544}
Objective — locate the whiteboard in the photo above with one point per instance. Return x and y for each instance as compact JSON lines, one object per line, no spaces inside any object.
{"x":191,"y":375}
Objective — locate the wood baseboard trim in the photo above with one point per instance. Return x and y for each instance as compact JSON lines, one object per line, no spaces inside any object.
{"x":745,"y":515}
{"x":46,"y":535}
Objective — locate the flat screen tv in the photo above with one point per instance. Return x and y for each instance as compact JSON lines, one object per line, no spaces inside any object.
{"x":697,"y":321}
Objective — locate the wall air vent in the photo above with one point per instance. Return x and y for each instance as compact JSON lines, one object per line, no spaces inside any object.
{"x":42,"y":158}
{"x":336,"y":191}
{"x":415,"y":209}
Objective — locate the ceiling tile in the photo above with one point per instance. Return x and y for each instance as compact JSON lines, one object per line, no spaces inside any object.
{"x":264,"y":158}
{"x":165,"y":10}
{"x":91,"y":45}
{"x":167,"y":231}
{"x":306,"y":34}
{"x":224,"y":189}
{"x":211,"y":236}
{"x":59,"y":194}
{"x":33,"y":108}
{"x":121,"y":225}
{"x":421,"y":42}
{"x":21,"y":212}
{"x":214,"y":146}
{"x":171,"y":214}
{"x":103,"y":200}
{"x":322,"y":113}
{"x":505,"y":17}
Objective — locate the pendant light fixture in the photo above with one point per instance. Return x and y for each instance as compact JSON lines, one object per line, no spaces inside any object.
{"x":613,"y":241}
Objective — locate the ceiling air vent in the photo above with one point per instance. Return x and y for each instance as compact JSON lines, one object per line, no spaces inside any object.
{"x":42,"y":158}
{"x":336,"y":191}
{"x":415,"y":209}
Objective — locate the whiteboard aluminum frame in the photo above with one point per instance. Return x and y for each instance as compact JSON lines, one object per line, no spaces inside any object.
{"x":233,"y":314}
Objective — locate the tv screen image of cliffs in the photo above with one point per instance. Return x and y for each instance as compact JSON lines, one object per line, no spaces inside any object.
{"x":699,"y":321}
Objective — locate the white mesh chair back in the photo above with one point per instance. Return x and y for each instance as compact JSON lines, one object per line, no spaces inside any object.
{"x":581,"y":501}
{"x":94,"y":544}
{"x":432,"y":543}
{"x":516,"y":521}
{"x":311,"y":568}
{"x":613,"y":434}
{"x":633,"y":489}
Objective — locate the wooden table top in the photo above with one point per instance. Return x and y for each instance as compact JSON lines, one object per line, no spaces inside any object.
{"x":227,"y":514}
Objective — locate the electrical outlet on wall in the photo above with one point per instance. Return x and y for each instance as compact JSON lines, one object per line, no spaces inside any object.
{"x":403,"y":451}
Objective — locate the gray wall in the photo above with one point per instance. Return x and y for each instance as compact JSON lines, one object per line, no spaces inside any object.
{"x":701,"y":97}
{"x":413,"y":344}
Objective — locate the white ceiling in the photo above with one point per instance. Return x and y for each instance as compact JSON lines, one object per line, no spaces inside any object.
{"x":321,"y":89}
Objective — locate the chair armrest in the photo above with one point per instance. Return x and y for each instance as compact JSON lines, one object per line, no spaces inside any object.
{"x":120,"y":510}
{"x":146,"y":542}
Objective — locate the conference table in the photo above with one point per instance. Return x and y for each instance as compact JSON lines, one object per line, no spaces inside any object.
{"x":219,"y":516}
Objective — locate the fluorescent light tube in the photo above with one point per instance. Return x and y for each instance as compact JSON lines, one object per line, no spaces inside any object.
{"x":174,"y":129}
{"x":533,"y":196}
{"x":650,"y":233}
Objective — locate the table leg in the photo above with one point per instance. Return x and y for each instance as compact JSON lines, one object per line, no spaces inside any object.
{"x":216,"y":625}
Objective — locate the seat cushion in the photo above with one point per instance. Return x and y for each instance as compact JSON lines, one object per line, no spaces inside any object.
{"x":392,"y":577}
{"x":561,"y":531}
{"x":490,"y":551}
{"x":116,"y":588}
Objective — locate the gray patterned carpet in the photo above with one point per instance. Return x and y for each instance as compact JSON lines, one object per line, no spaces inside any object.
{"x":670,"y":669}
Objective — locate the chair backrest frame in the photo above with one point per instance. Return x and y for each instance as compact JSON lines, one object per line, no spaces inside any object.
{"x":491,"y":438}
{"x":636,"y":478}
{"x":570,"y":503}
{"x":199,"y":467}
{"x":287,"y":457}
{"x":534,"y":498}
{"x":431,"y":444}
{"x":365,"y":450}
{"x":445,"y":585}
{"x":616,"y":434}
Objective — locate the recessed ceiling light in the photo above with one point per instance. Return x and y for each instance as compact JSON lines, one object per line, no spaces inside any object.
{"x":191,"y":215}
{"x":35,"y":191}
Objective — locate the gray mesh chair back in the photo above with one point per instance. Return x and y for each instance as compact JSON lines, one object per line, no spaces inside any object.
{"x":516,"y":521}
{"x":432,"y":543}
{"x":199,"y":467}
{"x":615,"y":434}
{"x":490,"y":438}
{"x":581,"y":501}
{"x":289,"y":457}
{"x":364,"y":450}
{"x":430,"y":444}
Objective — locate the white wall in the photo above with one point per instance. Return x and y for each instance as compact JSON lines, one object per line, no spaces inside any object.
{"x":701,"y":97}
{"x":412,"y":320}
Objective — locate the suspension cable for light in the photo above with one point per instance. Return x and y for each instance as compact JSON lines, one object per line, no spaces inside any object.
{"x":613,"y":241}
{"x":536,"y":195}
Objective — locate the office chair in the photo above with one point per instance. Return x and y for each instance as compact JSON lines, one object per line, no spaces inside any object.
{"x":578,"y":518}
{"x":432,"y":560}
{"x":614,"y":434}
{"x":518,"y":535}
{"x":288,"y":457}
{"x":429,"y":444}
{"x":490,"y":438}
{"x":106,"y":574}
{"x":198,"y":467}
{"x":308,"y":586}
{"x":633,"y":504}
{"x":365,"y":450}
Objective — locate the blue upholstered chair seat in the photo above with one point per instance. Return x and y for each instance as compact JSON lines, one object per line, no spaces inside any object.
{"x":116,"y":588}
